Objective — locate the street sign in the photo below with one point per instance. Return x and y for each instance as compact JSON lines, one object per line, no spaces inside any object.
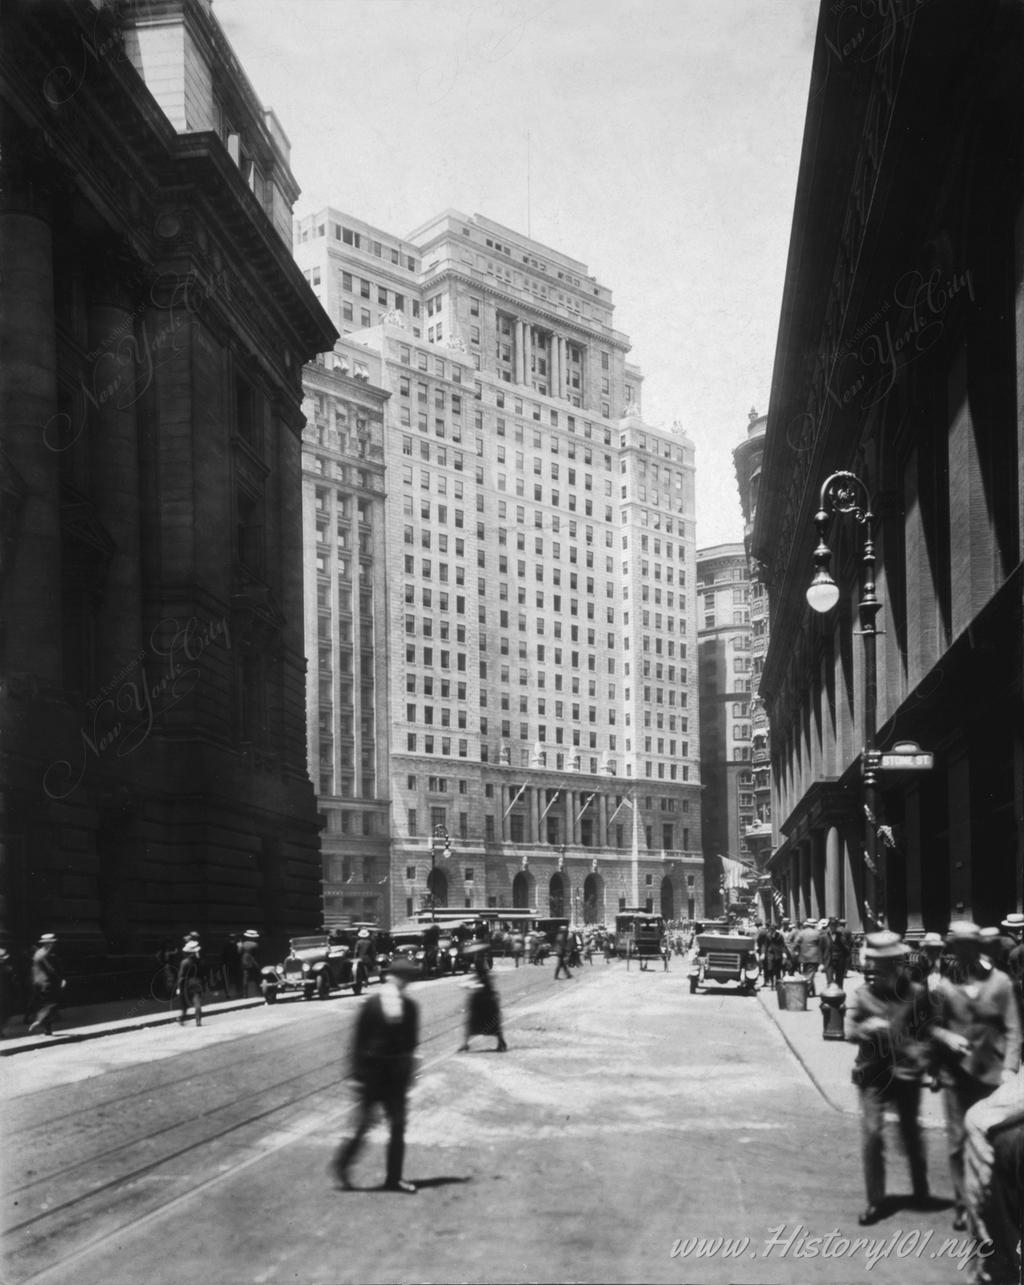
{"x":906,"y":756}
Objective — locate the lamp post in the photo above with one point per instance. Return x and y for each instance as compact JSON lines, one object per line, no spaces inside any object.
{"x":845,"y":493}
{"x":438,"y":832}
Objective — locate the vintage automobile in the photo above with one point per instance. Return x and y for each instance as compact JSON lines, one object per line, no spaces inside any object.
{"x":418,"y":943}
{"x":322,"y":963}
{"x":723,"y":957}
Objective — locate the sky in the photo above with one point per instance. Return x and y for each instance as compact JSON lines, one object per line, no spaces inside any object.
{"x":657,"y":141}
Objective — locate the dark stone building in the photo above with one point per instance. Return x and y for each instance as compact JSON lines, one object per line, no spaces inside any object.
{"x":899,"y":360}
{"x":153,"y":330}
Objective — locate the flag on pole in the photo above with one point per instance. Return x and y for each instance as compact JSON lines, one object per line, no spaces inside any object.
{"x":519,"y":795}
{"x":777,"y":899}
{"x":625,"y":802}
{"x":551,"y":804}
{"x":589,"y":800}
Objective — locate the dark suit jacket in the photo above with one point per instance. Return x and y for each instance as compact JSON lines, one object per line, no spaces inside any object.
{"x":382,"y":1050}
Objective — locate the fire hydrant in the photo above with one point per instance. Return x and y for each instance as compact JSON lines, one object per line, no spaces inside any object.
{"x":833,"y":1012}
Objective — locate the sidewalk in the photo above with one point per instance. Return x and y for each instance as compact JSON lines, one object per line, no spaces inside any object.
{"x":92,"y":1021}
{"x":828,"y":1062}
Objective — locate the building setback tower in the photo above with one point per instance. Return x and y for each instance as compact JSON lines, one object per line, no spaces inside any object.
{"x":539,"y":550}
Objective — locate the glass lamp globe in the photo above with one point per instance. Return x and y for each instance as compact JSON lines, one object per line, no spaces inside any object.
{"x":823,"y":592}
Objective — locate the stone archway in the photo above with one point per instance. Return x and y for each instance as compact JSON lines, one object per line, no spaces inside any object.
{"x":522,"y":891}
{"x":557,"y":897}
{"x":437,"y":886}
{"x":668,"y":899}
{"x":593,"y":899}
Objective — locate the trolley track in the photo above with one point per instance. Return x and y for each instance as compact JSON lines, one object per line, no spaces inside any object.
{"x":132,"y":1188}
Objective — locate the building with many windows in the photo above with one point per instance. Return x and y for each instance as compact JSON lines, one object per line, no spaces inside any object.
{"x":723,"y":649}
{"x":759,"y":835}
{"x":343,"y":509}
{"x":539,"y":553}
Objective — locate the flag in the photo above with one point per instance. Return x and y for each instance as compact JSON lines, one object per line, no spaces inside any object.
{"x":777,"y":899}
{"x":551,"y":804}
{"x":733,"y":872}
{"x":519,"y":795}
{"x":589,"y":800}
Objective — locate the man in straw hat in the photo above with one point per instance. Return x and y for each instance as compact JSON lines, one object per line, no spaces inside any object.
{"x":249,"y":961}
{"x":47,"y":984}
{"x":383,"y":1050}
{"x":189,"y":987}
{"x":977,"y":1036}
{"x":888,"y":1019}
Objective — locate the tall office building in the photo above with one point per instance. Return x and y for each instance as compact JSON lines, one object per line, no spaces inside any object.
{"x":747,"y":457}
{"x":723,"y":641}
{"x":538,"y":555}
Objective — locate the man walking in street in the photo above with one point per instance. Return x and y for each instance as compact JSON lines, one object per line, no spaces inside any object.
{"x":977,"y":1034}
{"x":562,"y":950}
{"x":888,"y":1019}
{"x":189,"y":988}
{"x":835,"y":954}
{"x":775,"y":955}
{"x":386,"y":1037}
{"x":47,"y":984}
{"x":249,"y":961}
{"x":807,"y":949}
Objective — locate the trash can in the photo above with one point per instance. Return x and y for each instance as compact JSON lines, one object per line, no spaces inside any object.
{"x":833,"y":1012}
{"x":792,"y":993}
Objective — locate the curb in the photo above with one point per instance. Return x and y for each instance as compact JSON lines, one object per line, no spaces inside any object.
{"x":800,"y":1058}
{"x":77,"y":1035}
{"x":854,"y":1112}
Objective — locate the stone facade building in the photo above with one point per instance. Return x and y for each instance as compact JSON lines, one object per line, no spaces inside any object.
{"x":898,"y":362}
{"x":540,"y":560}
{"x":723,"y":649}
{"x":154,"y":328}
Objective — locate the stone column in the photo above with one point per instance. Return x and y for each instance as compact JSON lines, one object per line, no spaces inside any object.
{"x":504,"y":798}
{"x":960,"y":890}
{"x":563,"y":374}
{"x":115,"y":453}
{"x":536,"y":808}
{"x":527,"y":354}
{"x":602,"y":820}
{"x":794,"y":886}
{"x":833,"y":873}
{"x":571,"y":827}
{"x":520,"y":352}
{"x":555,"y":368}
{"x":912,"y":861}
{"x":36,"y":436}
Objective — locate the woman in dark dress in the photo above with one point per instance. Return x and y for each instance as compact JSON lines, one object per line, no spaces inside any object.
{"x":483,"y":1009}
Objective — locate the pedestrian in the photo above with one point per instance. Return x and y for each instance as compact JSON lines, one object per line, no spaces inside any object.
{"x":931,"y":951}
{"x":6,"y":990}
{"x":249,"y":961}
{"x":835,"y":952}
{"x":386,"y":1036}
{"x":47,"y":983}
{"x":230,"y":965}
{"x":189,"y":987}
{"x":609,"y":947}
{"x":977,"y":1038}
{"x":806,"y":949}
{"x":994,"y":1179}
{"x":364,"y":953}
{"x":888,"y":1019}
{"x":518,"y":947}
{"x":775,"y":955}
{"x":483,"y":1008}
{"x":562,"y":952}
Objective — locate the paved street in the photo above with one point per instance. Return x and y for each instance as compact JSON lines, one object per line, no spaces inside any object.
{"x":629,"y":1125}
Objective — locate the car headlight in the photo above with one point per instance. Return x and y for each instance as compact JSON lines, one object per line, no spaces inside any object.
{"x":305,"y":968}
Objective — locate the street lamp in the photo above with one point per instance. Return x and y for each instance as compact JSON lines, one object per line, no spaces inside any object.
{"x":843,"y":493}
{"x":438,"y":832}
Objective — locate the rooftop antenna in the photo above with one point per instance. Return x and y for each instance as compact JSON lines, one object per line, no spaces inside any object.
{"x":528,"y":231}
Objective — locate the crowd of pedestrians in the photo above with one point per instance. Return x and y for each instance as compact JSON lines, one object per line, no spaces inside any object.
{"x":948,"y":1015}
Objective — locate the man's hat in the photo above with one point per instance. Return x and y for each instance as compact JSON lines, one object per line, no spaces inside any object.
{"x":810,"y":923}
{"x":931,"y":939}
{"x":822,"y":923}
{"x":840,"y":920}
{"x":251,"y":934}
{"x":987,"y":935}
{"x":474,"y":948}
{"x":963,"y":930}
{"x":885,"y":945}
{"x":47,"y":939}
{"x":403,"y":968}
{"x":363,"y":932}
{"x":1015,"y":922}
{"x":191,"y":948}
{"x":833,"y":920}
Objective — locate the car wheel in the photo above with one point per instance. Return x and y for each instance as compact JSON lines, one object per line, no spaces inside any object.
{"x":323,"y":986}
{"x":693,"y":986}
